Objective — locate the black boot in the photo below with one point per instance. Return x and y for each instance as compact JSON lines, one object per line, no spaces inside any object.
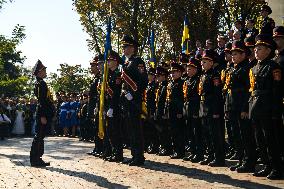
{"x":275,"y":175}
{"x":263,"y":173}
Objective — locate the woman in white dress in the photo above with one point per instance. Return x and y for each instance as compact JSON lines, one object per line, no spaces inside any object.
{"x":19,"y":126}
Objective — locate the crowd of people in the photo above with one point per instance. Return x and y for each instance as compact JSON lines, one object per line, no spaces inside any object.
{"x":205,"y":107}
{"x":20,"y":116}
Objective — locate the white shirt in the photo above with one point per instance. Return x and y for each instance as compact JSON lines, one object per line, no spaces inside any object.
{"x":5,"y":118}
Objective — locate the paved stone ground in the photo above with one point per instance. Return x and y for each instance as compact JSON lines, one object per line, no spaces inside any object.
{"x":72,"y":168}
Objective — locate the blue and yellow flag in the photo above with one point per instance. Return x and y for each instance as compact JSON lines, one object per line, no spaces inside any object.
{"x":185,"y":36}
{"x":104,"y":82}
{"x":152,"y":48}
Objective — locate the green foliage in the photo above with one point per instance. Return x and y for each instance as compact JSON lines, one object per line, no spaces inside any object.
{"x":15,"y":87}
{"x":232,"y":10}
{"x":207,"y":18}
{"x":13,"y":80}
{"x":70,"y":79}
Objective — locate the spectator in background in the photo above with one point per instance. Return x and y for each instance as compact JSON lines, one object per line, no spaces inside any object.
{"x":199,"y":49}
{"x":250,"y":30}
{"x":209,"y":44}
{"x":239,"y":27}
{"x":230,"y":34}
{"x":4,"y":123}
{"x":237,"y":35}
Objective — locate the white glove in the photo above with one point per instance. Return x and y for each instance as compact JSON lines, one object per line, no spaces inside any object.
{"x":128,"y":96}
{"x":110,"y":112}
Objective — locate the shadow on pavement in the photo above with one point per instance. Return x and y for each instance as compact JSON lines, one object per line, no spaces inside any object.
{"x":203,"y":175}
{"x":100,"y":181}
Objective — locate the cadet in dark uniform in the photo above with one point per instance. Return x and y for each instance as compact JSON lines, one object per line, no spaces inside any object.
{"x":267,"y":23}
{"x":227,"y":109}
{"x":266,"y":100}
{"x":238,"y":85}
{"x":278,"y":36}
{"x":191,"y":106}
{"x":250,"y":42}
{"x":93,"y":106}
{"x":161,"y":115}
{"x":183,"y":60}
{"x":112,"y":107}
{"x":211,"y":107}
{"x":44,"y":114}
{"x":175,"y":107}
{"x":151,"y":135}
{"x":134,"y":85}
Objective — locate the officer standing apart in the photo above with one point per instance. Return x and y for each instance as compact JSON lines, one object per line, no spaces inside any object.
{"x":133,"y":87}
{"x":44,"y":114}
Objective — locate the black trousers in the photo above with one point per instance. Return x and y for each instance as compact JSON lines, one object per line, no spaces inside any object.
{"x":164,"y":134}
{"x":115,"y":136}
{"x":37,"y":148}
{"x":196,"y":142}
{"x":267,"y":142}
{"x":150,"y":133}
{"x":229,"y":130}
{"x":236,"y":133}
{"x":249,"y":143}
{"x":133,"y":121}
{"x":99,"y":143}
{"x":214,"y":138}
{"x":178,"y":134}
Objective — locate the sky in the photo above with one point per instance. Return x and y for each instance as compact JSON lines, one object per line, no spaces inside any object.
{"x":54,"y":33}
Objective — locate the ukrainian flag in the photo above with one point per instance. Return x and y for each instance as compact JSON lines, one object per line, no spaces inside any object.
{"x":104,"y":83}
{"x":185,"y":36}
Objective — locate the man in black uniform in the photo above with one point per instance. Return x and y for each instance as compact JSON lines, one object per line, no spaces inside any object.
{"x":211,"y":107}
{"x":227,"y":109}
{"x":267,"y":23}
{"x":151,"y":137}
{"x":238,"y":85}
{"x":133,"y":87}
{"x":175,"y":105}
{"x":191,"y":108}
{"x":44,"y":114}
{"x":250,"y":42}
{"x":161,"y":115}
{"x":278,"y":36}
{"x":266,"y":100}
{"x":112,"y":107}
{"x":93,"y":106}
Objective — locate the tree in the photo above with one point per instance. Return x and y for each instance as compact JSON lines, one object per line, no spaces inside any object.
{"x":207,"y":18}
{"x":2,"y":2}
{"x":70,"y":79}
{"x":232,"y":10}
{"x":130,"y":17}
{"x":13,"y":80}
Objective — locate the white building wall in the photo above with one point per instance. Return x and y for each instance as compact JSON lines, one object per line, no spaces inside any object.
{"x":277,"y":14}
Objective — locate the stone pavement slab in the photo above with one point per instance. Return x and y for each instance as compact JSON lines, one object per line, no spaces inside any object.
{"x":72,"y":168}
